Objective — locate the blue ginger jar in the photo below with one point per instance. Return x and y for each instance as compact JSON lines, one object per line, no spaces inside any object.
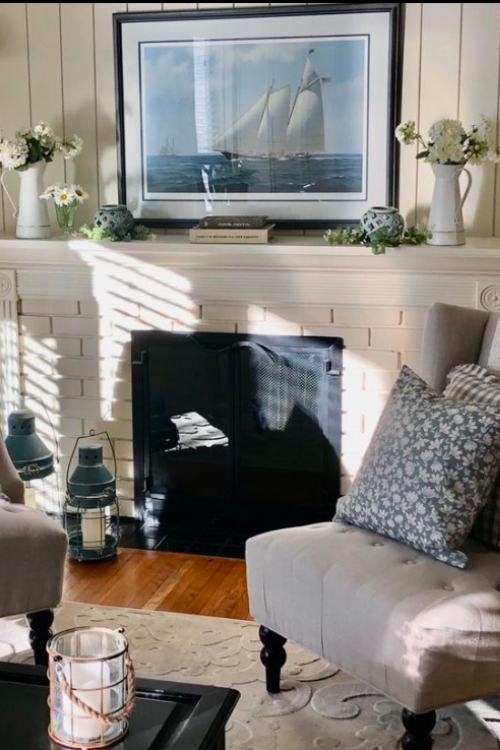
{"x":386,"y":218}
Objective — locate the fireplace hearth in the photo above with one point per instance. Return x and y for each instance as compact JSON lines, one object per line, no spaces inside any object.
{"x":233,"y":434}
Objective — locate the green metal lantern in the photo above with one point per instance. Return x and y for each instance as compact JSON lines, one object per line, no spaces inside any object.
{"x":28,"y":452}
{"x":91,"y":510}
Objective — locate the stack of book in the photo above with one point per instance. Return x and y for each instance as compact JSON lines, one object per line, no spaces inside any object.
{"x":226,"y":229}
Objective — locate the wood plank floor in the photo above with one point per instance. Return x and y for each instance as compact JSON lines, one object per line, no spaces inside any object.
{"x":168,"y":581}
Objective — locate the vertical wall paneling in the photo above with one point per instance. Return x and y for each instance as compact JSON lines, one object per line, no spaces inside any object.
{"x":410,"y":98}
{"x":44,"y":39}
{"x":479,"y":95}
{"x":440,"y":77}
{"x":56,"y":64}
{"x":105,"y":99}
{"x":9,"y":346}
{"x":144,"y":6}
{"x":77,"y":29}
{"x":14,"y":87}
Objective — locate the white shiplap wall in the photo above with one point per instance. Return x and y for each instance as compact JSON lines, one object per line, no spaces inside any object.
{"x":56,"y":64}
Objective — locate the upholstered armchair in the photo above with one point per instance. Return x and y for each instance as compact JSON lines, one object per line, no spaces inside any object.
{"x":32,"y":554}
{"x":423,"y":633}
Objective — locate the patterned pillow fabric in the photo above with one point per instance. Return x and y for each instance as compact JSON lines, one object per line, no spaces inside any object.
{"x":429,"y":468}
{"x":475,"y":385}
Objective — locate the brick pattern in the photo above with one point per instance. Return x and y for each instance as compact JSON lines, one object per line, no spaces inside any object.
{"x":75,"y":357}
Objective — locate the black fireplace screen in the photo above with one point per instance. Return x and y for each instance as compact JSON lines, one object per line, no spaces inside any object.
{"x":238,"y":428}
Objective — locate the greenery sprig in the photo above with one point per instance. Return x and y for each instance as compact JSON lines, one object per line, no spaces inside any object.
{"x":139,"y":232}
{"x":379,"y":240}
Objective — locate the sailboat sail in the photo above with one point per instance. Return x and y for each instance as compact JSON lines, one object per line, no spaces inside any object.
{"x":242,"y":136}
{"x":270,"y":129}
{"x":271,"y":137}
{"x":306,"y":126}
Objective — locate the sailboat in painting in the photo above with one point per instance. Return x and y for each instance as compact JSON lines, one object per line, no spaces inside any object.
{"x":276,"y":128}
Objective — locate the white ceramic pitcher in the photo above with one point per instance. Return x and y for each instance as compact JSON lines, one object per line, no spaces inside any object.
{"x":446,"y":224}
{"x":32,"y":214}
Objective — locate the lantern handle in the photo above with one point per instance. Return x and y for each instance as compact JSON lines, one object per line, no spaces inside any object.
{"x":91,"y":433}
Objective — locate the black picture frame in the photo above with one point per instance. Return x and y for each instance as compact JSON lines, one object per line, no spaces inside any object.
{"x":395,"y":13}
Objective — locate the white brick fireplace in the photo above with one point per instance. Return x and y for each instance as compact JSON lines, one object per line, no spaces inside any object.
{"x":77,"y":302}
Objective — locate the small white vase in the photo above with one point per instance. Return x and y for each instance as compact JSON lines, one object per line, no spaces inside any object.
{"x":446,"y":224}
{"x":32,"y":214}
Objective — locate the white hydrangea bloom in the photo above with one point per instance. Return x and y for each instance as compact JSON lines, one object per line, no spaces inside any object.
{"x":451,"y":130}
{"x":406,"y":133}
{"x":70,"y":148}
{"x":446,"y":142}
{"x":13,"y":154}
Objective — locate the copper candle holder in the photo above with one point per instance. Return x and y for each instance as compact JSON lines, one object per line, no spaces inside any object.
{"x":92,"y":687}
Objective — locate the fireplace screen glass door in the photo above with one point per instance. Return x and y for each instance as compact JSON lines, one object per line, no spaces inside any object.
{"x":233,"y":432}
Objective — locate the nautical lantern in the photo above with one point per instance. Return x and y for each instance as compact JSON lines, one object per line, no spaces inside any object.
{"x":28,"y":452}
{"x":91,"y":511}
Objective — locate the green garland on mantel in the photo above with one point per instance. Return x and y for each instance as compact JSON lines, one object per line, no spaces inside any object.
{"x":379,"y":240}
{"x":139,"y":232}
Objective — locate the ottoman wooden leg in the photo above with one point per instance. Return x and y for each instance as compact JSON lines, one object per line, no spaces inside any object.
{"x":272,"y":656}
{"x":418,"y":730}
{"x":40,"y":632}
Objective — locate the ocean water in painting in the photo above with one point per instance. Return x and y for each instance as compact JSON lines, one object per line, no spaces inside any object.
{"x":213,"y":173}
{"x":255,"y":116}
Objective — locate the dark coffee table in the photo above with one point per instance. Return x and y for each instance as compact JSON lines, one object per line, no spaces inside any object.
{"x":166,"y":716}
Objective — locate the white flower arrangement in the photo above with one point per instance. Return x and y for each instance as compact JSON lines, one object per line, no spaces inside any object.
{"x":449,"y":143}
{"x":31,"y":145}
{"x":65,"y":195}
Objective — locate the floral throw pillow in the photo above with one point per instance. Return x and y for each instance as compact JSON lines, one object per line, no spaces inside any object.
{"x":428,"y":471}
{"x":476,"y":385}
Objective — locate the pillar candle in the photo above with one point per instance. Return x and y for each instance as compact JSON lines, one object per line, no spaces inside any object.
{"x":87,"y":679}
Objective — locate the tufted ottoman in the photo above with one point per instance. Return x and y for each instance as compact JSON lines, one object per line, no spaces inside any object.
{"x":32,"y":554}
{"x":423,"y":633}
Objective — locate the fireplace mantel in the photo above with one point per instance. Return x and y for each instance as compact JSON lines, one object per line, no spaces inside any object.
{"x":294,"y":269}
{"x":287,"y":251}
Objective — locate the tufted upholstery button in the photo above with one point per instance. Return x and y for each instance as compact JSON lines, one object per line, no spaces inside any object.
{"x":448,"y":587}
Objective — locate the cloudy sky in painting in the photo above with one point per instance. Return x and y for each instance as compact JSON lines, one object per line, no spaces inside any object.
{"x":193,"y":93}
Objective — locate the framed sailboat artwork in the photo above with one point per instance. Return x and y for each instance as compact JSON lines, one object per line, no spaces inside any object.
{"x":283,"y":111}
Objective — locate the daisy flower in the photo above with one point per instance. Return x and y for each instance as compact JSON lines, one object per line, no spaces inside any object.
{"x":63,"y":197}
{"x":49,"y":192}
{"x":79,"y":192}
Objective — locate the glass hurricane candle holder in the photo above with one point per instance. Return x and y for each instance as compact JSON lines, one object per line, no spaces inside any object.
{"x":92,"y":687}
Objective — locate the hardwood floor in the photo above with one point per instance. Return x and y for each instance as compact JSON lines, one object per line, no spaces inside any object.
{"x":169,"y":581}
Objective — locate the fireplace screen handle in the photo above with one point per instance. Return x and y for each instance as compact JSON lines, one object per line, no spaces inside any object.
{"x":333,"y":371}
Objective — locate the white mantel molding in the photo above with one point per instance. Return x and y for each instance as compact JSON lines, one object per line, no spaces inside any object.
{"x":293,"y":252}
{"x":298,"y":269}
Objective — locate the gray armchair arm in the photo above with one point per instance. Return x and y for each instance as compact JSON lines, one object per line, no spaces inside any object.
{"x":10,"y":482}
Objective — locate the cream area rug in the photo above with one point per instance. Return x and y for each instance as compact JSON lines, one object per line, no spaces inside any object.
{"x":320,"y":707}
